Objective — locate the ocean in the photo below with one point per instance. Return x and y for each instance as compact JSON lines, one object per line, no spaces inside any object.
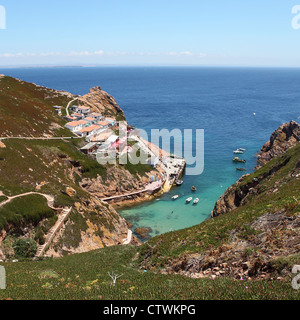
{"x":222,"y":101}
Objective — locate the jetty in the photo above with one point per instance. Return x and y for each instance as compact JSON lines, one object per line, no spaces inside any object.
{"x":150,"y":189}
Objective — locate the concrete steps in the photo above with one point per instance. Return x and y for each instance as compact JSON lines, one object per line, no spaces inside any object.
{"x":50,"y":235}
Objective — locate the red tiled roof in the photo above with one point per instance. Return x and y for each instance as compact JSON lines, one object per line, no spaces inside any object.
{"x":89,"y":118}
{"x":76,"y":123}
{"x":90,"y":128}
{"x":103,"y":123}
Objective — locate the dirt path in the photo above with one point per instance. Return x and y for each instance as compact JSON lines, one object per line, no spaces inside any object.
{"x":129,"y":238}
{"x":39,"y":138}
{"x":49,"y":198}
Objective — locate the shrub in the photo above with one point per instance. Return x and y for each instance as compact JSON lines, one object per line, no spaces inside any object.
{"x":25,"y":248}
{"x":39,"y":236}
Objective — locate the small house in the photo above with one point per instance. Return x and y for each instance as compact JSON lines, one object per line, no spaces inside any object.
{"x":89,"y":131}
{"x":97,"y":116}
{"x":70,"y":118}
{"x":75,"y":126}
{"x":90,"y":148}
{"x":103,"y":124}
{"x":78,"y":116}
{"x":90,"y":119}
{"x":84,"y":110}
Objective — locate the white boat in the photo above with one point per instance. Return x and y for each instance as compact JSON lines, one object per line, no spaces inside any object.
{"x":241,"y":149}
{"x":188,"y":200}
{"x":196,"y":201}
{"x":175,"y":197}
{"x":238,"y":151}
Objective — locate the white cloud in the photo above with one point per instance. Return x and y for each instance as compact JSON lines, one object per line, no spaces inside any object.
{"x":102,"y":53}
{"x":53,"y":54}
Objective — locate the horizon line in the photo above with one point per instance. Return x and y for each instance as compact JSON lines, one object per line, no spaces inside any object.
{"x":144,"y":66}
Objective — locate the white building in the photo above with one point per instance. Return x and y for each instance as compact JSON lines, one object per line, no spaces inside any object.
{"x":75,"y":126}
{"x":89,"y":131}
{"x":96,"y":115}
{"x":84,"y":110}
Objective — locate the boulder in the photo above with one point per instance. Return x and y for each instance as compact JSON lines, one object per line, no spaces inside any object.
{"x":143,"y":233}
{"x":282,"y":139}
{"x":70,"y":192}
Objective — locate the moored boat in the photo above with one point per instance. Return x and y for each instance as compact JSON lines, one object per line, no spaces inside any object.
{"x":194,"y":188}
{"x":179,"y":182}
{"x":175,"y":197}
{"x":188,"y":200}
{"x":241,"y":169}
{"x":237,"y":159}
{"x":238,"y":151}
{"x":196,"y":201}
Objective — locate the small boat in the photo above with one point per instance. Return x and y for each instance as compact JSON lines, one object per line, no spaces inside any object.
{"x":188,"y":200}
{"x":194,"y":188}
{"x":242,"y":149}
{"x":196,"y":201}
{"x":241,"y":169}
{"x":238,"y":151}
{"x":237,"y":159}
{"x":175,"y":197}
{"x":179,"y":182}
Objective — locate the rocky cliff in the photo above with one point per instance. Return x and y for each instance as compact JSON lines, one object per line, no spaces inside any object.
{"x":282,"y":139}
{"x":103,"y":103}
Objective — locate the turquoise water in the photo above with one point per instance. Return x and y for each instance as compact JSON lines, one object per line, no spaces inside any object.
{"x":219,"y":100}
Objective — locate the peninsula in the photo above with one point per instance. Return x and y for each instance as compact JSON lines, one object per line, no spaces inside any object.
{"x":54,"y":193}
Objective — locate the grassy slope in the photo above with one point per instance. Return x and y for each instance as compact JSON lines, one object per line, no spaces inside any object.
{"x":214,"y":232}
{"x":24,"y":210}
{"x":84,"y":276}
{"x":27,"y":110}
{"x":32,"y":162}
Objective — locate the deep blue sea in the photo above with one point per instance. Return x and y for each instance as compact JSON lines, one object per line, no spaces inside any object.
{"x":219,"y":100}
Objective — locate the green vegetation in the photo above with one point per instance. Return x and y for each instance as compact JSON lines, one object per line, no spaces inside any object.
{"x":28,"y":209}
{"x":85,"y":276}
{"x":25,"y":248}
{"x":213,"y":233}
{"x":32,"y":106}
{"x":2,"y":199}
{"x":73,"y":229}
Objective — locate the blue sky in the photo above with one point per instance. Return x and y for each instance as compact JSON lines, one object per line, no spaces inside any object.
{"x":144,"y":32}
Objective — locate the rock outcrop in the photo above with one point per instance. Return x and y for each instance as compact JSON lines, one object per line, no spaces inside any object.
{"x":282,"y":139}
{"x":91,"y":226}
{"x":231,"y":198}
{"x":103,"y":103}
{"x":250,"y":256}
{"x":143,"y":233}
{"x":117,"y":181}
